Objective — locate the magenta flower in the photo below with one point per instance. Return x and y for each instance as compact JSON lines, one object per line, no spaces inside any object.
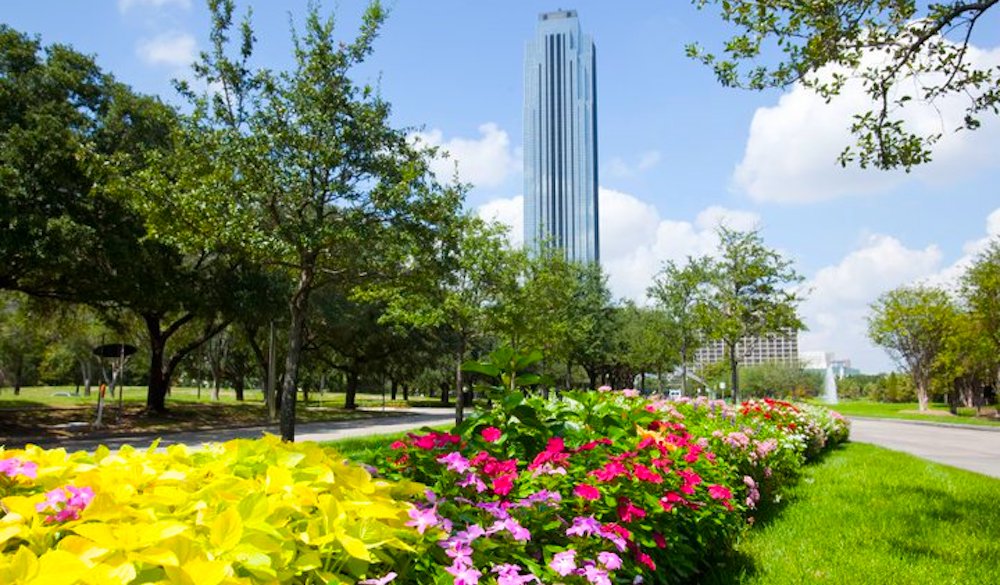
{"x":14,"y":467}
{"x":455,"y":462}
{"x":67,"y":502}
{"x":587,"y":491}
{"x":423,"y":519}
{"x":563,"y":563}
{"x":719,"y":492}
{"x":491,"y":434}
{"x":584,"y":526}
{"x":464,"y":573}
{"x":508,"y":574}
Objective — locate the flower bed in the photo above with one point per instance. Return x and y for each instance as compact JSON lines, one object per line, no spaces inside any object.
{"x":601,"y":487}
{"x":597,"y":488}
{"x":239,"y":512}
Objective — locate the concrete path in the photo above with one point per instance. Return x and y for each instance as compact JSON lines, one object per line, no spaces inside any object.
{"x":406,"y":419}
{"x":973,"y":448}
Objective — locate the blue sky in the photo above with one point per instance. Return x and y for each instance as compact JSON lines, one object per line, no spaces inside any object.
{"x":678,"y":153}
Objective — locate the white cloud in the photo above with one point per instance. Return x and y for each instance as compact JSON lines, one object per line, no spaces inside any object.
{"x":792,"y":147}
{"x":837,"y":308}
{"x":126,"y":5}
{"x":635,"y":240}
{"x":509,"y":212}
{"x":486,"y":161}
{"x":173,"y":49}
{"x":647,"y":160}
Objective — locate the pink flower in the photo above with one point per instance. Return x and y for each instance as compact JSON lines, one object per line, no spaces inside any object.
{"x":388,"y":578}
{"x":628,"y":511}
{"x":563,"y":563}
{"x":491,"y":434}
{"x":14,"y":467}
{"x":67,"y":502}
{"x":718,"y":492}
{"x":609,"y":472}
{"x":503,"y":484}
{"x":396,"y":445}
{"x":646,"y":560}
{"x":643,"y":473}
{"x":595,"y":575}
{"x":659,"y":540}
{"x":464,"y":573}
{"x":587,"y":491}
{"x":610,"y":560}
{"x":455,"y":462}
{"x":508,"y":574}
{"x":423,"y":519}
{"x":584,"y":526}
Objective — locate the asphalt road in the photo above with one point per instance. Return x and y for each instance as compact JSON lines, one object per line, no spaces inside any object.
{"x":973,"y":448}
{"x":408,"y":419}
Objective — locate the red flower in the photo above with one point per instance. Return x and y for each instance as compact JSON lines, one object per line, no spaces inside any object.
{"x":609,"y":471}
{"x":659,"y":540}
{"x":627,"y":511}
{"x":719,"y":492}
{"x":592,"y":444}
{"x":646,"y":560}
{"x":587,"y":491}
{"x":424,"y":442}
{"x":397,"y":445}
{"x":503,"y":484}
{"x":491,"y":434}
{"x":644,"y":473}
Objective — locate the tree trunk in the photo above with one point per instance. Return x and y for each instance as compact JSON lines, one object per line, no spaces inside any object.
{"x":18,"y":370}
{"x":734,"y":374}
{"x":406,"y":391}
{"x":351,"y":394}
{"x":684,"y":367}
{"x":297,"y":309}
{"x":642,"y":380}
{"x":393,"y":388}
{"x":923,"y":401}
{"x":238,"y":383}
{"x":592,"y":377}
{"x":156,"y":394}
{"x":445,"y":390}
{"x":459,"y":395}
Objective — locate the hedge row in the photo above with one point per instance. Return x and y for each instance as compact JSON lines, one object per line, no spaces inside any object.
{"x":600,"y":488}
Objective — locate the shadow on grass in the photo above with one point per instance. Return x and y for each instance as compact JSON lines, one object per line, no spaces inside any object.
{"x":729,"y":565}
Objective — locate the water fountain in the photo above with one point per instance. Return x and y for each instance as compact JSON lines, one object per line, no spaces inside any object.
{"x":829,"y":387}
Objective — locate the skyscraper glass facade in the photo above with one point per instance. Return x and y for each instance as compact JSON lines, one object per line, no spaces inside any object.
{"x":560,"y":138}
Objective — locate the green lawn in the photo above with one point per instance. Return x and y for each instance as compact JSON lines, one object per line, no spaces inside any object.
{"x":866,"y":515}
{"x":64,"y":396}
{"x":909,"y":411}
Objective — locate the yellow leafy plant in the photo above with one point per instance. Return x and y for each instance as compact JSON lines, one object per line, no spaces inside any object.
{"x":245,"y":511}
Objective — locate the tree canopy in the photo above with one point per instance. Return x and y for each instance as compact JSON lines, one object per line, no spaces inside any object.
{"x":900,"y":51}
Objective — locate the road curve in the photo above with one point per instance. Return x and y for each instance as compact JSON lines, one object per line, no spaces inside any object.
{"x":974,"y":449}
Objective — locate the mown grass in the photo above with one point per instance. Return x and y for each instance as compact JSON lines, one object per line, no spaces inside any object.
{"x":866,"y":515}
{"x":909,"y":411}
{"x":373,"y":449}
{"x":46,"y":413}
{"x":66,"y":397}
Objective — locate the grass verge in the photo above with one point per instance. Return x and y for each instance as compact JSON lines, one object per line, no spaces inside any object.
{"x":909,"y":411}
{"x":867,"y":515}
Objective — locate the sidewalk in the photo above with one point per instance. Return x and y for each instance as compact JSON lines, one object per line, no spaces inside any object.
{"x":408,"y":419}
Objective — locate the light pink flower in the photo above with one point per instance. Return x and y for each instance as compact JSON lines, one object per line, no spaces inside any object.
{"x":563,"y":563}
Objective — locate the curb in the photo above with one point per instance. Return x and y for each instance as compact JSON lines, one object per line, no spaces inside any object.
{"x":928,"y":423}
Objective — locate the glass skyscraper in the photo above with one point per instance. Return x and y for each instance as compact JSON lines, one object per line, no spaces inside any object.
{"x":560,"y":138}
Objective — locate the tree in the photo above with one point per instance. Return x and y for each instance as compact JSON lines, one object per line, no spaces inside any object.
{"x":902,"y":52}
{"x":981,"y":290}
{"x":967,"y":362}
{"x":749,"y":295}
{"x":679,"y":292}
{"x":303,"y":173}
{"x":912,"y":324}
